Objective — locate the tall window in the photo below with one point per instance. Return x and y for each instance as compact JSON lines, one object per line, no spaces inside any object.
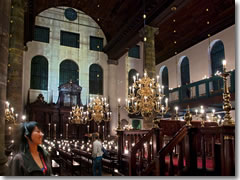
{"x":131,"y":73}
{"x":69,"y":39}
{"x":39,"y":73}
{"x":165,"y":77}
{"x":185,"y":76}
{"x":217,"y":55}
{"x":95,"y":79}
{"x":134,"y":52}
{"x":96,"y":43}
{"x":68,"y":71}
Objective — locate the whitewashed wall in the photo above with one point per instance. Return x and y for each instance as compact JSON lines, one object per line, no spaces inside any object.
{"x":199,"y":59}
{"x":55,"y":53}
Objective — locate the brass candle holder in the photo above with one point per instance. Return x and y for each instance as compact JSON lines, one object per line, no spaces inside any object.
{"x":227,"y":107}
{"x":188,"y":117}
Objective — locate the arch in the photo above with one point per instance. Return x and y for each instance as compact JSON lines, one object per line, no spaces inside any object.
{"x":131,"y":73}
{"x":95,"y":79}
{"x":217,"y":54}
{"x":68,"y":71}
{"x":184,"y":70}
{"x":39,"y":73}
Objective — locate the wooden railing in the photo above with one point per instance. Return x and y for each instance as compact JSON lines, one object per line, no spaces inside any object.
{"x":144,"y":151}
{"x":158,"y":165}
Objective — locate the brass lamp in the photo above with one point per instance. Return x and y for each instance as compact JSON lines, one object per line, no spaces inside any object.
{"x":146,"y":97}
{"x":10,"y":117}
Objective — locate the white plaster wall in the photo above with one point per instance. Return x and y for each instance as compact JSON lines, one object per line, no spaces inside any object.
{"x":55,"y":53}
{"x":199,"y":60}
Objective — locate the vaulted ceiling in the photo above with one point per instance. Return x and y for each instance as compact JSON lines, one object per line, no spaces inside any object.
{"x":181,"y":23}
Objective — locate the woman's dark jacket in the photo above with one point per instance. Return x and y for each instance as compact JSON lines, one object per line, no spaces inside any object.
{"x":23,"y":164}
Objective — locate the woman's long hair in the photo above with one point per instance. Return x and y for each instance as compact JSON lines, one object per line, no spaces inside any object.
{"x":25,"y":129}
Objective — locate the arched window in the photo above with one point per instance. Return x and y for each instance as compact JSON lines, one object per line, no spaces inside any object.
{"x":131,"y":73}
{"x":39,"y":73}
{"x":217,"y":55}
{"x":68,"y":71}
{"x":185,"y":76}
{"x":95,"y":79}
{"x":165,"y":77}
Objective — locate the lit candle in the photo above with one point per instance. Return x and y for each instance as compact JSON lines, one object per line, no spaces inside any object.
{"x":176,"y":109}
{"x":98,"y":128}
{"x":157,"y":78}
{"x":196,"y":112}
{"x":10,"y":130}
{"x":49,"y":129}
{"x":166,"y":101}
{"x":55,"y":129}
{"x":66,"y":131}
{"x":134,"y":78}
{"x":137,"y":75}
{"x":23,"y":117}
{"x":88,"y":129}
{"x":145,"y":74}
{"x":224,"y":62}
{"x":103,"y":131}
{"x":7,"y":103}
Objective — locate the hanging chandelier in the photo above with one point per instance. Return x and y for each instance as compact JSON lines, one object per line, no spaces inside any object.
{"x":10,"y":117}
{"x":78,"y":115}
{"x":145,"y":97}
{"x":97,"y":110}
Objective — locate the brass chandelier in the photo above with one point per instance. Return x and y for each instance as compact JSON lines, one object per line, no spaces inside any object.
{"x":146,"y":97}
{"x":97,"y":110}
{"x":10,"y":117}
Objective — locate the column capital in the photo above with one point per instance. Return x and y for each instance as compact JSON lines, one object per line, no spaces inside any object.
{"x":112,"y":61}
{"x":148,"y":31}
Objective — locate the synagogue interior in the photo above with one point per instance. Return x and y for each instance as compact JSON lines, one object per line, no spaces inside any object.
{"x":155,"y":79}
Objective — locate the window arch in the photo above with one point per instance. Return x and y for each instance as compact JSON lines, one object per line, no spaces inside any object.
{"x":68,"y":71}
{"x":95,"y":79}
{"x":185,"y":76}
{"x":131,"y":73}
{"x":39,"y":73}
{"x":217,"y":55}
{"x":165,"y":77}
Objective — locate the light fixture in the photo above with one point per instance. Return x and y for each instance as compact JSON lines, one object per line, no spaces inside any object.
{"x":146,"y":97}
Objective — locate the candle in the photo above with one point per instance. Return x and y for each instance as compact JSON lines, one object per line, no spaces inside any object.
{"x":137,"y":75}
{"x":134,"y":78}
{"x":49,"y":129}
{"x":224,"y":62}
{"x":88,"y":129}
{"x":103,"y":131}
{"x":10,"y":130}
{"x":166,"y":101}
{"x":66,"y":131}
{"x":157,"y":78}
{"x":145,"y":74}
{"x":196,"y":112}
{"x":98,"y":128}
{"x":176,"y":108}
{"x":55,"y":129}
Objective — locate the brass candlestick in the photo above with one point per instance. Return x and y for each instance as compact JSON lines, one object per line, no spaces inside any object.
{"x":119,"y":121}
{"x":188,"y":117}
{"x":228,"y":121}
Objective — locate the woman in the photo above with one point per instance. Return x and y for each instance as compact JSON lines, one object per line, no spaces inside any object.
{"x":30,"y":158}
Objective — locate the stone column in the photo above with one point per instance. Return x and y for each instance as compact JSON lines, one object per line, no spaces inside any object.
{"x":149,"y":61}
{"x":112,"y":95}
{"x":5,"y":6}
{"x":15,"y":60}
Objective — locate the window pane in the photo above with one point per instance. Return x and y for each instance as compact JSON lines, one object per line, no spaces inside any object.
{"x":41,"y":34}
{"x":69,"y":39}
{"x":95,"y":79}
{"x":185,"y":77}
{"x":96,"y":43}
{"x":134,"y":52}
{"x":68,"y":71}
{"x":39,"y":73}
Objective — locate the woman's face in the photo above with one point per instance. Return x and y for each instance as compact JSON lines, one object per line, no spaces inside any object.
{"x":37,"y":136}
